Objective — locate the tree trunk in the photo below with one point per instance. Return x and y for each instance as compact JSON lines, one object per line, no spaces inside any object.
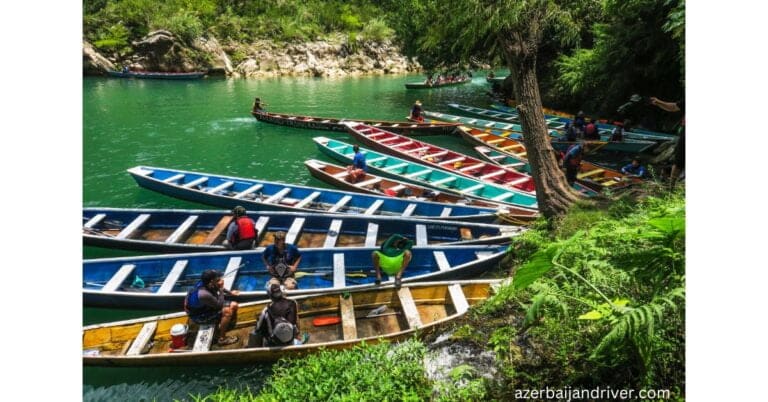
{"x":553,"y":193}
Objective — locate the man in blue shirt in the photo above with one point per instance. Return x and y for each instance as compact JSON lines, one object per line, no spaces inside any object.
{"x":358,"y":168}
{"x":282,"y":261}
{"x":572,"y":162}
{"x":634,"y":169}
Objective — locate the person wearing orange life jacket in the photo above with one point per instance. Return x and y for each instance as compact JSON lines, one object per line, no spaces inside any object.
{"x":242,"y":232}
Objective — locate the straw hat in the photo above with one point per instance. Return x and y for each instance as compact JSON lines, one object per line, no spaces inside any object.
{"x":418,"y":102}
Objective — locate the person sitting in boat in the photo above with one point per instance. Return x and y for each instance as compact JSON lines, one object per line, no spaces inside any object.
{"x":634,"y":169}
{"x":572,"y":161}
{"x":278,"y":323}
{"x":241,"y":232}
{"x":429,"y":81}
{"x":282,"y":260}
{"x":617,"y":135}
{"x":356,"y":171}
{"x":205,"y":304}
{"x":416,"y":112}
{"x":126,"y":69}
{"x":574,"y":131}
{"x":392,"y":257}
{"x":591,"y":131}
{"x":258,"y":105}
{"x":579,"y":119}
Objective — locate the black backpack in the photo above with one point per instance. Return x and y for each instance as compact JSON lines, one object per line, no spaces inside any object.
{"x":279,"y":326}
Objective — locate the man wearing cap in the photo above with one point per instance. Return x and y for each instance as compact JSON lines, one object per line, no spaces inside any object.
{"x":416,"y":112}
{"x":282,"y":260}
{"x":241,"y":233}
{"x":278,"y":323}
{"x":392,"y":257}
{"x":205,"y":304}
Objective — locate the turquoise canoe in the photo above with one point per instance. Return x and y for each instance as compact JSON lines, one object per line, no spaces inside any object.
{"x":501,"y":116}
{"x":424,"y":85}
{"x":479,"y":123}
{"x":400,"y":169}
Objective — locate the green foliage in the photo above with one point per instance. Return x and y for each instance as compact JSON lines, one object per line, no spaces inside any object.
{"x":185,"y":25}
{"x":464,"y":385}
{"x":377,"y":30}
{"x":114,"y":39}
{"x":380,"y":373}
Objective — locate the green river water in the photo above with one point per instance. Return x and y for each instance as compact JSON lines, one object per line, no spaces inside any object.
{"x":206,"y":126}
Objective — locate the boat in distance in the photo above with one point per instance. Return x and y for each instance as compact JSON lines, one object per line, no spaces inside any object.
{"x":258,"y":195}
{"x":336,"y":320}
{"x":185,"y":230}
{"x":162,"y":281}
{"x":331,"y":124}
{"x":156,"y":75}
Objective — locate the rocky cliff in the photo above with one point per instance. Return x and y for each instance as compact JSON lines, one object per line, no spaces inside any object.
{"x":162,"y":51}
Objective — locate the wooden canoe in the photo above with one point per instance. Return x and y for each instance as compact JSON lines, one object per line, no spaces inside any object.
{"x":163,"y":280}
{"x":593,"y":176}
{"x":604,"y":128}
{"x":179,"y":231}
{"x":157,"y":75}
{"x":424,"y":85}
{"x":479,"y":123}
{"x":441,"y":158}
{"x":260,"y":195}
{"x":438,"y":179}
{"x":501,"y":116}
{"x":375,"y":184}
{"x":414,"y":310}
{"x":331,"y":124}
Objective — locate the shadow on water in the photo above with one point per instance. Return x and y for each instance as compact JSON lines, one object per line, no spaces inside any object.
{"x":168,"y":383}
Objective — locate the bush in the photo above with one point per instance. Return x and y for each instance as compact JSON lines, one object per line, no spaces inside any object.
{"x":184,"y":25}
{"x":377,"y":30}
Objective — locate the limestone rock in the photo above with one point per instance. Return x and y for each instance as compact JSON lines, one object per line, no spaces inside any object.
{"x":93,"y":62}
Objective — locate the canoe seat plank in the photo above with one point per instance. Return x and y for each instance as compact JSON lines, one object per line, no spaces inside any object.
{"x":338,"y":271}
{"x":518,"y":181}
{"x":419,"y":173}
{"x":343,"y":201}
{"x":409,"y":209}
{"x":254,"y":188}
{"x":348,"y":323}
{"x":591,"y":173}
{"x":196,"y":182}
{"x":409,"y":307}
{"x":182,"y":230}
{"x":221,"y":187}
{"x":397,"y":188}
{"x":295,"y":230}
{"x":134,"y":226}
{"x":368,"y":182}
{"x":118,"y":278}
{"x":233,"y":265}
{"x":442,"y":261}
{"x":94,"y":221}
{"x":472,"y":188}
{"x":499,"y":172}
{"x":376,"y":159}
{"x":174,"y":178}
{"x":303,"y":203}
{"x":443,"y":181}
{"x":371,"y":235}
{"x":503,"y":196}
{"x":395,"y":166}
{"x":446,"y":212}
{"x":275,"y":198}
{"x":261,"y":228}
{"x":374,"y":207}
{"x":217,"y":230}
{"x":142,"y":339}
{"x":421,"y":235}
{"x":204,"y":338}
{"x":333,"y":233}
{"x":435,"y":155}
{"x":172,"y":277}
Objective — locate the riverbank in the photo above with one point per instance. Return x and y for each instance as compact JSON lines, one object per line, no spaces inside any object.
{"x":335,"y":56}
{"x":598,"y":304}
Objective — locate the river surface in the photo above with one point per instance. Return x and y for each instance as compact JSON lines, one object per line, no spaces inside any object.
{"x":206,"y":126}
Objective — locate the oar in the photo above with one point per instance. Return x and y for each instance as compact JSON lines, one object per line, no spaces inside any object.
{"x":333,"y":320}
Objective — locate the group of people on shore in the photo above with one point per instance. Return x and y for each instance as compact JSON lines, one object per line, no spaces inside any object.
{"x":278,"y":323}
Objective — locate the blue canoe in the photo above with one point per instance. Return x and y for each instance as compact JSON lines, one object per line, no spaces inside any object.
{"x":189,"y":230}
{"x":161,"y":282}
{"x":156,"y":75}
{"x":260,"y":195}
